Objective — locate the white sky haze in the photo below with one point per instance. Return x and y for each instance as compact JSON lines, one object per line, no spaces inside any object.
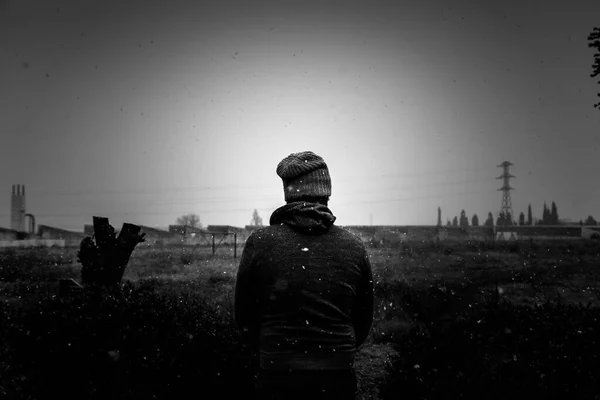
{"x":142,"y":111}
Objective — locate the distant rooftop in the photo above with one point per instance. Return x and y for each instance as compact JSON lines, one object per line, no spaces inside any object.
{"x":7,"y":230}
{"x":223,"y":229}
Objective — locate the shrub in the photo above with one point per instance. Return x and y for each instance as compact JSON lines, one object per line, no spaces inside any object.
{"x":148,"y":343}
{"x":186,"y":258}
{"x":499,"y":351}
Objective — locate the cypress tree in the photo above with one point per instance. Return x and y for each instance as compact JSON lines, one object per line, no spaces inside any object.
{"x":545,"y":215}
{"x":490,"y":220}
{"x":554,"y":214}
{"x":464,"y":220}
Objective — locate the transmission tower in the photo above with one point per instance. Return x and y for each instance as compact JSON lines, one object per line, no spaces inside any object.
{"x":506,"y":202}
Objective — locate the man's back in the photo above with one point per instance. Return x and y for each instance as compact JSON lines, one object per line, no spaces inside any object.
{"x":309,"y":292}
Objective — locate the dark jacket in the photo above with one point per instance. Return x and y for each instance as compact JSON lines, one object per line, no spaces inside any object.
{"x":304,"y":291}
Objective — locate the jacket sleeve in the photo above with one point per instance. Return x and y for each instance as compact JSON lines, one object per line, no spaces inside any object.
{"x":363,"y":317}
{"x":245,"y":299}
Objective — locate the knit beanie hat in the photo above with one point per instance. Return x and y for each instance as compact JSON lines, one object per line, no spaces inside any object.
{"x":304,"y":174}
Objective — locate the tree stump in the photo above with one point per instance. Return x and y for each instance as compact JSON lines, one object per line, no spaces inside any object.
{"x":104,"y":256}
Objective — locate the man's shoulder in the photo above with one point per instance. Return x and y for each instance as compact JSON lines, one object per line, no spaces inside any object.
{"x":347,"y":236}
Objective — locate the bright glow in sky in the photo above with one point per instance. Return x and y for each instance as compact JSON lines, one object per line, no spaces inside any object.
{"x":142,"y":111}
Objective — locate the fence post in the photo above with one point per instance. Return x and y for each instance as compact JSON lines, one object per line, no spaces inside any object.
{"x":235,"y":245}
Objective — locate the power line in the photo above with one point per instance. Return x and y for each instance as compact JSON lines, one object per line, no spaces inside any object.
{"x":226,"y":210}
{"x":233,"y":199}
{"x":221,"y":199}
{"x":236,"y":198}
{"x":412,"y":198}
{"x":414,"y":174}
{"x":194,"y":201}
{"x":411,"y":187}
{"x":204,"y":188}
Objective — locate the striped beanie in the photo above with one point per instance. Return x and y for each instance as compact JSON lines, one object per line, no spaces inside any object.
{"x":304,"y":174}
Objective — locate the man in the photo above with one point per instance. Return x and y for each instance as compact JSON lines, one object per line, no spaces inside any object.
{"x":304,"y":291}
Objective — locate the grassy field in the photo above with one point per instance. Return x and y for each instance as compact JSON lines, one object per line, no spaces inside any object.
{"x":173,"y":327}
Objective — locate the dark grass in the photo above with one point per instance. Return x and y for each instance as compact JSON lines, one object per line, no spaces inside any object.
{"x":37,"y":264}
{"x":172,"y":331}
{"x":461,"y":331}
{"x":501,"y":351}
{"x":153,"y":341}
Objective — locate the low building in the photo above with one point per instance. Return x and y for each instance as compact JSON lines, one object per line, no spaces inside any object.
{"x":71,"y":238}
{"x":186,"y":230}
{"x":252,"y":228}
{"x":155,"y":236}
{"x":543,"y":232}
{"x":189,"y":235}
{"x":386,"y":235}
{"x":480,"y":233}
{"x":224,"y":234}
{"x":223,"y":229}
{"x":8,"y":234}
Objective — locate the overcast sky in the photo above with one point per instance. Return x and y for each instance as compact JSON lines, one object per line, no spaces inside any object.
{"x":141,"y":111}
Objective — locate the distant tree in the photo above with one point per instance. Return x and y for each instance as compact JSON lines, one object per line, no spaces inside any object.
{"x":192,"y":220}
{"x":508,"y":219}
{"x":521,"y":219}
{"x":439,"y":220}
{"x":590,"y":221}
{"x":475,"y":220}
{"x":490,"y":220}
{"x":554,"y":214}
{"x":594,"y":42}
{"x":504,"y":219}
{"x":529,"y":215}
{"x":448,"y":223}
{"x":455,"y":221}
{"x":464,"y":220}
{"x":545,"y":216}
{"x":256,"y":219}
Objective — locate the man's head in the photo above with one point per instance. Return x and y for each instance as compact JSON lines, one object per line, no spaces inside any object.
{"x":305,"y":176}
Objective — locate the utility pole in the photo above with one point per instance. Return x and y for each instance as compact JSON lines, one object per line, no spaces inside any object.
{"x":506,"y":208}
